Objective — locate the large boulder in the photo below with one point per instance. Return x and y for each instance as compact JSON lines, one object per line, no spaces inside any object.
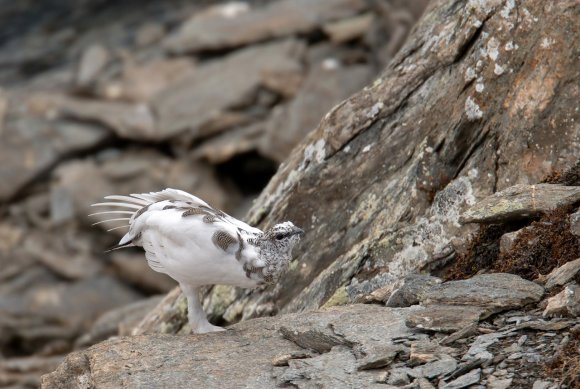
{"x":380,"y":184}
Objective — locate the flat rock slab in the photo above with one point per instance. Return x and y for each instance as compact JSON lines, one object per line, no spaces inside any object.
{"x":60,"y":310}
{"x":225,"y":28}
{"x":464,"y":381}
{"x":365,"y":325}
{"x":445,"y":318}
{"x":322,"y":89}
{"x":196,"y":102}
{"x":335,"y":369}
{"x":563,"y":274}
{"x":29,"y":147}
{"x":414,"y":287}
{"x":241,"y":357}
{"x":494,"y":292}
{"x":521,"y":201}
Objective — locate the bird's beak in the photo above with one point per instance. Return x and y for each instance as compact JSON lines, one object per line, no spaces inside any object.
{"x":299,"y":231}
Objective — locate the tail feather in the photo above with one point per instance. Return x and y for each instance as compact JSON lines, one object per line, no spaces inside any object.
{"x":112,"y":204}
{"x":128,"y":199}
{"x":119,"y":246}
{"x":135,"y":202}
{"x":111,"y":220}
{"x":116,"y":228}
{"x":106,"y":212}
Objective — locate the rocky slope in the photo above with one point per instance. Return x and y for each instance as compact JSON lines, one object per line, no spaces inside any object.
{"x":441,"y":342}
{"x":494,"y":330}
{"x":101,"y":97}
{"x":480,"y":100}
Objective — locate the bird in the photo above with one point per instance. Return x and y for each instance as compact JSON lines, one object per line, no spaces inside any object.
{"x":198,"y":245}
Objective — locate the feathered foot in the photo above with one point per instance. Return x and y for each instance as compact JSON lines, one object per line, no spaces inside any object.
{"x":195,"y":313}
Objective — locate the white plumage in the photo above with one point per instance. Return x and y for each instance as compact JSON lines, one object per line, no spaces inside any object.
{"x":197,"y":245}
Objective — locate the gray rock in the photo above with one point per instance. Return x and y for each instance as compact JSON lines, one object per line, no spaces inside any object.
{"x":92,"y":62}
{"x":445,"y":318}
{"x":69,"y":261}
{"x":348,"y":29}
{"x":107,"y":325}
{"x":25,"y":372}
{"x":494,"y":292}
{"x":521,"y":201}
{"x":497,"y":383}
{"x":127,"y":120}
{"x":425,"y":350}
{"x":243,"y":71}
{"x":354,"y":324}
{"x":166,"y":317}
{"x":465,"y":380}
{"x":478,"y":348}
{"x":333,"y":369}
{"x":414,"y":288}
{"x":140,"y":82}
{"x":575,"y":223}
{"x":239,"y":357}
{"x":424,"y":383}
{"x":29,"y":147}
{"x":565,"y":303}
{"x":446,"y":364}
{"x":460,"y":334}
{"x":149,"y":34}
{"x":506,"y":241}
{"x":225,"y":146}
{"x":283,"y":359}
{"x":541,"y":384}
{"x":378,"y":356}
{"x":398,"y":377}
{"x":542,"y":325}
{"x":322,"y":89}
{"x":60,"y":310}
{"x":562,"y":274}
{"x":224,"y":28}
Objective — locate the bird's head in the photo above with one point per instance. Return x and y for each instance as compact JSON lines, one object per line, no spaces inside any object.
{"x":283,"y":237}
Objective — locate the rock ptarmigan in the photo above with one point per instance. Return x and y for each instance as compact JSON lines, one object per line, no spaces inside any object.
{"x":198,"y":245}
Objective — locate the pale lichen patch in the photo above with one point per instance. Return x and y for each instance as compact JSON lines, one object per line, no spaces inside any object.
{"x":479,"y":86}
{"x":493,"y":48}
{"x":472,"y":110}
{"x":375,"y":110}
{"x":315,"y":152}
{"x":546,"y":42}
{"x":498,"y":69}
{"x":507,"y":9}
{"x":510,"y":46}
{"x":470,"y":74}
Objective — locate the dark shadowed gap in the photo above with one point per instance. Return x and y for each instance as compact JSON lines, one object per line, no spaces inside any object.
{"x":249,"y":172}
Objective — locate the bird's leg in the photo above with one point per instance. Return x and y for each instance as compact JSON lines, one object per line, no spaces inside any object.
{"x":195,"y":313}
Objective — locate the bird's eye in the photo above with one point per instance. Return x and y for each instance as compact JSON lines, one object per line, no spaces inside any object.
{"x":279,"y":236}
